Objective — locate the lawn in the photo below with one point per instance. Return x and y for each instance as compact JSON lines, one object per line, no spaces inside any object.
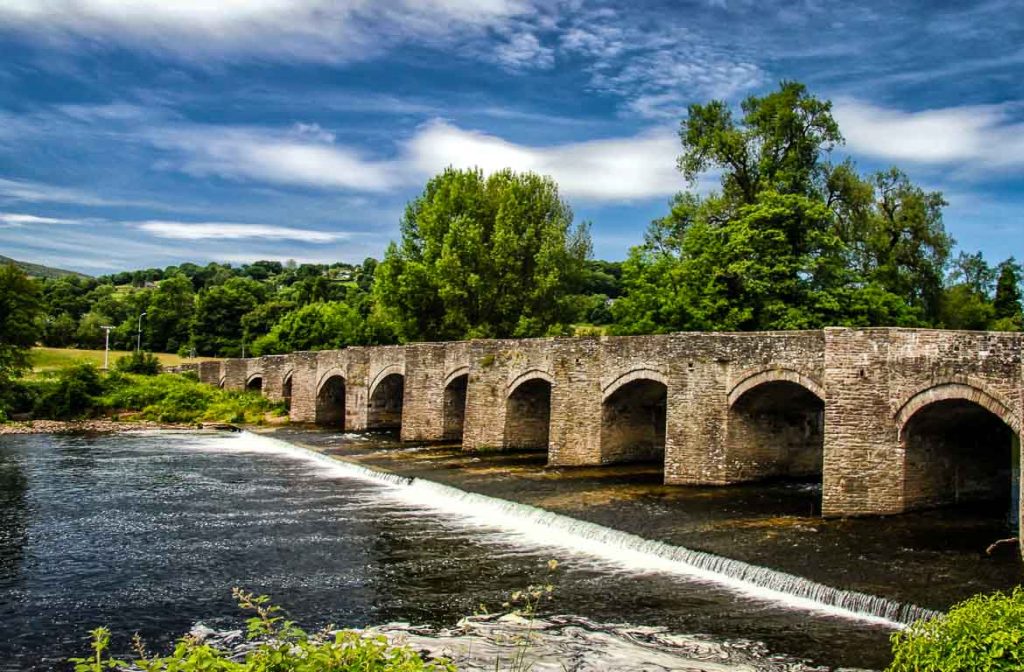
{"x":48,"y":359}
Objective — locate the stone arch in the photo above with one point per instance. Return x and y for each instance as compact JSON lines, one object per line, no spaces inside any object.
{"x":330,"y":399}
{"x":254,"y":383}
{"x":774,"y":374}
{"x":956,"y":390}
{"x":959,"y":443}
{"x":634,"y":410}
{"x":327,"y":375}
{"x":775,"y":426}
{"x":386,"y":398}
{"x":526,"y":376}
{"x":390,"y":369}
{"x":456,"y":387}
{"x":528,"y":410}
{"x":286,"y":387}
{"x":455,"y":373}
{"x":640,"y":373}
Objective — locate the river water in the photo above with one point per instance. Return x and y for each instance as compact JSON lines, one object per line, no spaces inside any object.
{"x":149,"y":532}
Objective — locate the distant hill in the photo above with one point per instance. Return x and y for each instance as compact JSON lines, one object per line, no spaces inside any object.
{"x":40,"y":271}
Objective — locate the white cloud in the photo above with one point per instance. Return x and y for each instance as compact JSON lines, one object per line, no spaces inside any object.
{"x":306,"y":29}
{"x":295,"y":158}
{"x":524,"y":51}
{"x":977,"y":138}
{"x":16,"y":219}
{"x":230,"y":231}
{"x":606,"y":170}
{"x":616,"y":169}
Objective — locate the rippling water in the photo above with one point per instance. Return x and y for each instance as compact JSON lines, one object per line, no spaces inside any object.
{"x":149,"y":532}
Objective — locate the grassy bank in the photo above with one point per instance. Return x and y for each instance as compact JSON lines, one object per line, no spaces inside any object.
{"x":52,"y":359}
{"x":82,"y":391}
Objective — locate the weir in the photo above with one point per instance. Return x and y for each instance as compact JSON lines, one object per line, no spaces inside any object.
{"x":540,"y":527}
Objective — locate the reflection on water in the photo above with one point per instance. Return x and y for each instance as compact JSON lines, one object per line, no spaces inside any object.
{"x":149,"y":532}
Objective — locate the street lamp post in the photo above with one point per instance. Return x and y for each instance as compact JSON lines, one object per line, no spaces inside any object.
{"x":106,"y":348}
{"x":138,"y":341}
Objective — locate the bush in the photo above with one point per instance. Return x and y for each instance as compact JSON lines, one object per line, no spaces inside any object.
{"x":281,"y":646}
{"x":73,"y":393}
{"x":142,"y":363}
{"x":985,"y":632}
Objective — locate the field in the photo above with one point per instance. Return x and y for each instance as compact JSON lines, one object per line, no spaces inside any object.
{"x":48,"y":359}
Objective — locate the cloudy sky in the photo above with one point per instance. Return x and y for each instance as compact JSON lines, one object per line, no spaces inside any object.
{"x":149,"y":132}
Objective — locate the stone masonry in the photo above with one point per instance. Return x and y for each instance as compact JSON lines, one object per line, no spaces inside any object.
{"x":850,"y":404}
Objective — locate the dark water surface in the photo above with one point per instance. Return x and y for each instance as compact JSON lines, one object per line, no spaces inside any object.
{"x":149,"y":532}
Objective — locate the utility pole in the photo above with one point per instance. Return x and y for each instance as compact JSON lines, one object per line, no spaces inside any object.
{"x":106,"y":348}
{"x":138,"y":341}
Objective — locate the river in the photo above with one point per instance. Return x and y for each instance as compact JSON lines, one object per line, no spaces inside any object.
{"x":149,"y":532}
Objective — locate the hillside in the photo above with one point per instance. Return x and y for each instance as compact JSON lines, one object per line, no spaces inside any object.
{"x":40,"y":271}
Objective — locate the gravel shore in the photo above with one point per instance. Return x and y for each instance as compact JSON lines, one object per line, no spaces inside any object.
{"x":84,"y":426}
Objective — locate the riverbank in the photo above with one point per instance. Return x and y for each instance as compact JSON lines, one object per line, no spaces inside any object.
{"x":95,"y":426}
{"x":932,"y":559}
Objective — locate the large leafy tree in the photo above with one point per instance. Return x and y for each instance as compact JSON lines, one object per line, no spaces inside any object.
{"x":217,"y":326}
{"x":169,"y":316}
{"x":1007,"y":303}
{"x":494,"y":256}
{"x":791,"y":240}
{"x":19,"y":310}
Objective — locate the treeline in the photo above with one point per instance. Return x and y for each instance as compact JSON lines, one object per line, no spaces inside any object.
{"x":790,"y":240}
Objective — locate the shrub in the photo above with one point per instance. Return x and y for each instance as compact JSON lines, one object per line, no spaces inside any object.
{"x":281,"y":646}
{"x":142,"y":363}
{"x":72,"y":393}
{"x":985,"y":632}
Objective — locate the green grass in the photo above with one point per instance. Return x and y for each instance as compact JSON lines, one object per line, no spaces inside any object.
{"x":51,"y":359}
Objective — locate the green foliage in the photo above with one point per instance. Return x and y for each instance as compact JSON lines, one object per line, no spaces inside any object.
{"x":481,"y":257}
{"x":985,"y":632}
{"x":280,"y":646}
{"x":70,"y":394}
{"x":791,"y":241}
{"x":143,"y":363}
{"x":1007,"y":303}
{"x":19,"y":308}
{"x":316,"y":326}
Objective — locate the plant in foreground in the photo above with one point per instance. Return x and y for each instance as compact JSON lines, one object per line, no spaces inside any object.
{"x":277,"y":645}
{"x":985,"y":632}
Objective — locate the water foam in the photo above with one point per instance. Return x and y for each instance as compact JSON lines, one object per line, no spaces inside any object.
{"x":545,"y":528}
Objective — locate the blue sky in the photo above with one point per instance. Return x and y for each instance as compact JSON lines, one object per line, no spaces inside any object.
{"x":148,"y":133}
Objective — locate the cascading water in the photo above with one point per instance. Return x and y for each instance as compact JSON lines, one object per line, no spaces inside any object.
{"x":626,"y":550}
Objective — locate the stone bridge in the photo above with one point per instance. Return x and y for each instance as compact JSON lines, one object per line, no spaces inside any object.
{"x":889,"y":419}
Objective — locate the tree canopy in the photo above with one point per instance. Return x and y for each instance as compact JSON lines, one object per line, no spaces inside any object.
{"x":493,"y":257}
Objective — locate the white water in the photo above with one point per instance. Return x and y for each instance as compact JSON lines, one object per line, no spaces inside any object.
{"x":544,"y":528}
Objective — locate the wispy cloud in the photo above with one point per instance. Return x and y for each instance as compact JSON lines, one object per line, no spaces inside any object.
{"x":978,"y":138}
{"x":18,"y":219}
{"x":606,"y":170}
{"x":317,"y":30}
{"x":232,"y":231}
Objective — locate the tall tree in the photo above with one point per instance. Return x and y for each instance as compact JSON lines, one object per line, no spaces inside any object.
{"x":1007,"y":303}
{"x":217,"y":326}
{"x":19,"y":310}
{"x":481,"y":256}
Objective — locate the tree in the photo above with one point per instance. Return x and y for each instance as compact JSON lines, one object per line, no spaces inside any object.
{"x":1007,"y":303}
{"x":481,"y":257}
{"x":169,"y":315}
{"x":315,"y":326}
{"x":19,"y":309}
{"x":217,"y":326}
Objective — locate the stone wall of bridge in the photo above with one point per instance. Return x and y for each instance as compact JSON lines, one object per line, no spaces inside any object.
{"x":863,"y":408}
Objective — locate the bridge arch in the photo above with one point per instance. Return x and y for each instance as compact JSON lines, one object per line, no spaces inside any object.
{"x":774,"y":374}
{"x":330,"y":399}
{"x":957,"y":390}
{"x":286,"y":388}
{"x":776,"y":426}
{"x":456,"y":387}
{"x":640,"y":373}
{"x":254,"y":383}
{"x":528,"y":410}
{"x":960,"y":443}
{"x":634,"y":410}
{"x":386,"y":398}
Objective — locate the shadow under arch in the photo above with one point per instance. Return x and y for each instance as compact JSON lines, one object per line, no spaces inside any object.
{"x":528,"y":411}
{"x":960,"y":446}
